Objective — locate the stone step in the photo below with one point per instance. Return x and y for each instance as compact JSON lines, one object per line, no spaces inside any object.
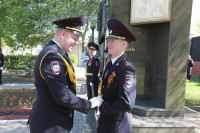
{"x":161,"y":125}
{"x":148,"y":108}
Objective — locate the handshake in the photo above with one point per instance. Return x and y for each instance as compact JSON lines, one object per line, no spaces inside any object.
{"x":96,"y":102}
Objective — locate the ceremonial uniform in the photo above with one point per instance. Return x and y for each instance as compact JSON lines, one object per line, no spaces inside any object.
{"x":1,"y":66}
{"x":55,"y":82}
{"x":118,"y":87}
{"x":92,"y":72}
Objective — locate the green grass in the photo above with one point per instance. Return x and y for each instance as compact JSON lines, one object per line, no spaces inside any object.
{"x":192,"y":93}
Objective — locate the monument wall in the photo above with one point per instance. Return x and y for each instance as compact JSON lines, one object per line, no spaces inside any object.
{"x":159,"y":54}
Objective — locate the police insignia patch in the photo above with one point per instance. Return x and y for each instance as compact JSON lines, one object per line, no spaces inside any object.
{"x":128,"y":81}
{"x":55,"y":67}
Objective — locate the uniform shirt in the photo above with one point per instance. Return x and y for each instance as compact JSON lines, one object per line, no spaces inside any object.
{"x":113,"y":61}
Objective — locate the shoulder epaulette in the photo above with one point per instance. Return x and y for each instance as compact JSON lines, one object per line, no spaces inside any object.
{"x":126,"y":62}
{"x":53,"y":49}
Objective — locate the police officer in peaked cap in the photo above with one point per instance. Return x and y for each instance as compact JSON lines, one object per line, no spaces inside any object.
{"x":92,"y":70}
{"x":55,"y":82}
{"x":118,"y":83}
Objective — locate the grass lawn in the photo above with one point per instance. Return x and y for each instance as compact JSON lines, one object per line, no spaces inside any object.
{"x":192,"y":93}
{"x":14,"y":76}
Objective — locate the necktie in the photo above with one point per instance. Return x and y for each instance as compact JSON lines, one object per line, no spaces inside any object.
{"x":109,"y":65}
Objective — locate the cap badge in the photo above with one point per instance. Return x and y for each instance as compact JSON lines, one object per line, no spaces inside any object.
{"x":110,"y":31}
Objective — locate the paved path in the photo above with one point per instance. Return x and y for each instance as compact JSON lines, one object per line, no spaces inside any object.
{"x":20,"y":126}
{"x":14,"y":126}
{"x":193,"y":117}
{"x":17,"y":86}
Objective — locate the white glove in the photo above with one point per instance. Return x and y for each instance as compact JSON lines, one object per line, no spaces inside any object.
{"x":91,"y":84}
{"x":96,"y":101}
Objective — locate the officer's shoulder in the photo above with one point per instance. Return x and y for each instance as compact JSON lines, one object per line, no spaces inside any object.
{"x":51,"y":49}
{"x":49,"y":52}
{"x":126,"y":64}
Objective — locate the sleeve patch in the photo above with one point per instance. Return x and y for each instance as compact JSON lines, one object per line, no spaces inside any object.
{"x":128,"y":81}
{"x":55,"y":67}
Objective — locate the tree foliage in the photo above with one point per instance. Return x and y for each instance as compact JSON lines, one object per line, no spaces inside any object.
{"x":29,"y":22}
{"x":198,"y":26}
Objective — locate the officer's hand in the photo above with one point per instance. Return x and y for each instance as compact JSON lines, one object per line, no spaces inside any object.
{"x":91,"y":84}
{"x":96,"y":101}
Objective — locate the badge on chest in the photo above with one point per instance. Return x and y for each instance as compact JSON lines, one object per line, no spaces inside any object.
{"x":90,"y":62}
{"x":111,"y":78}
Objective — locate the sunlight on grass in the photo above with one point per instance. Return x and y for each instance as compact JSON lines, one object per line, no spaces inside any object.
{"x":192,"y":93}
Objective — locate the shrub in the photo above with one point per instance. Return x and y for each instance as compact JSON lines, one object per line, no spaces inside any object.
{"x":20,"y":62}
{"x":74,"y":60}
{"x":27,"y":62}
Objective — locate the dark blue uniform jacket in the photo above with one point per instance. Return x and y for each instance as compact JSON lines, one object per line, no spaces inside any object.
{"x":92,"y":76}
{"x":56,"y":101}
{"x":1,"y":60}
{"x":119,"y":93}
{"x":93,"y":70}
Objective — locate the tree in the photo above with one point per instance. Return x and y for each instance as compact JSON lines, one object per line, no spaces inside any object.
{"x":28,"y":22}
{"x":198,"y":26}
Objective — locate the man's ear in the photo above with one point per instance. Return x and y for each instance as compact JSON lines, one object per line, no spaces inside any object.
{"x":63,"y":34}
{"x":125,"y":43}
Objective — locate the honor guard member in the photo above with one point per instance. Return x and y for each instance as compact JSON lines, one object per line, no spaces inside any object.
{"x":1,"y":64}
{"x":55,"y":82}
{"x":118,"y":84}
{"x":92,"y":70}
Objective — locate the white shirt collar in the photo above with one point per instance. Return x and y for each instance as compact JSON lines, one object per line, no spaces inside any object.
{"x":57,"y":44}
{"x":114,"y":59}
